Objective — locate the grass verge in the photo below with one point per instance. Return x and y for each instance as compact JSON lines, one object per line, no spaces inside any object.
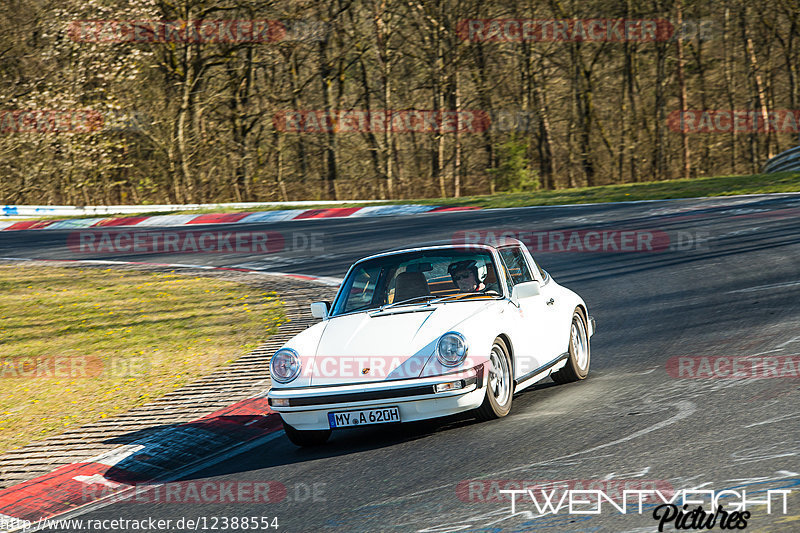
{"x":79,"y":345}
{"x":652,"y":190}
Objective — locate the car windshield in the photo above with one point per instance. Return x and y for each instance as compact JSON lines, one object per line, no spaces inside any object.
{"x":416,"y":277}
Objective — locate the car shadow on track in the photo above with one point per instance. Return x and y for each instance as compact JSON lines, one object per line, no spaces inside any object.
{"x":175,"y":447}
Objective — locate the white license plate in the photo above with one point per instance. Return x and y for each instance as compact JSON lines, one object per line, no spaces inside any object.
{"x":364,"y":417}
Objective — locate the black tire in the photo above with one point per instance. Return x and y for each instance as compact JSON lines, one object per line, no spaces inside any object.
{"x":577,"y":367}
{"x":499,"y":384}
{"x":307,"y":437}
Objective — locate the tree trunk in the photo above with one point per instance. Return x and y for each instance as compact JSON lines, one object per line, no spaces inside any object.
{"x":326,"y":81}
{"x":730,"y":87}
{"x":687,"y":165}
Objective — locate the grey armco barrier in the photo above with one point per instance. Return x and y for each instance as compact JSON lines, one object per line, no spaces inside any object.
{"x":788,"y":160}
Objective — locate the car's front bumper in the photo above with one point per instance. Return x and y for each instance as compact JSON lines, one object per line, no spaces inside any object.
{"x":417,"y":399}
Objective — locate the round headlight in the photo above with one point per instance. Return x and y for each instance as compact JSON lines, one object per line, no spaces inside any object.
{"x":451,"y":349}
{"x":284,"y":365}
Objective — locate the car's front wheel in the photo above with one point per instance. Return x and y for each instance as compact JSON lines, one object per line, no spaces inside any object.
{"x":577,"y":366}
{"x":499,"y":383}
{"x":306,"y":437}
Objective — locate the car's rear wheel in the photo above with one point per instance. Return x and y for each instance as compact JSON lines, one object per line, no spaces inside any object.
{"x":499,"y":383}
{"x":577,"y":367}
{"x":306,"y":437}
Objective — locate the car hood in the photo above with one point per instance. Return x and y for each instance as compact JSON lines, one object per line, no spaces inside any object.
{"x":393,"y":344}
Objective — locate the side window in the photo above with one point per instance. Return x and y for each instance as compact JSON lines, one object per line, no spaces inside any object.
{"x":542,"y":273}
{"x":516,"y":267}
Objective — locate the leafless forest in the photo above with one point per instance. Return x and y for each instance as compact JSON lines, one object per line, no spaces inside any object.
{"x":98,"y":109}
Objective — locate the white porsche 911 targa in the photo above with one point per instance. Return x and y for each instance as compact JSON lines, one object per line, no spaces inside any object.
{"x":427,"y":332}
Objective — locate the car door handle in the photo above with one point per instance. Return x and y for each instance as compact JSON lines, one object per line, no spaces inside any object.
{"x":550,"y":301}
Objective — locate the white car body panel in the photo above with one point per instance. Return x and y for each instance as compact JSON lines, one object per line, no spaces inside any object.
{"x":409,"y":336}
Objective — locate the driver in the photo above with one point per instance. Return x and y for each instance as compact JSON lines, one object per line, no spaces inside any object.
{"x":465,"y":276}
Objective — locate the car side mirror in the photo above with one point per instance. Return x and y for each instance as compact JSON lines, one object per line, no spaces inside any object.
{"x":319,"y":309}
{"x":525,"y":290}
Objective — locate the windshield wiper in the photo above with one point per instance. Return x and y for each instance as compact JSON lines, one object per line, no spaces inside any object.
{"x":458,"y":296}
{"x":406,"y":301}
{"x":464,"y":295}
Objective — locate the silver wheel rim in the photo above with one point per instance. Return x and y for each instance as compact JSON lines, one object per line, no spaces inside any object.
{"x":580,"y":347}
{"x":499,"y":376}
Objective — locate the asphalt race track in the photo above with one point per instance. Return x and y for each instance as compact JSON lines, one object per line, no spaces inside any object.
{"x":725,"y":285}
